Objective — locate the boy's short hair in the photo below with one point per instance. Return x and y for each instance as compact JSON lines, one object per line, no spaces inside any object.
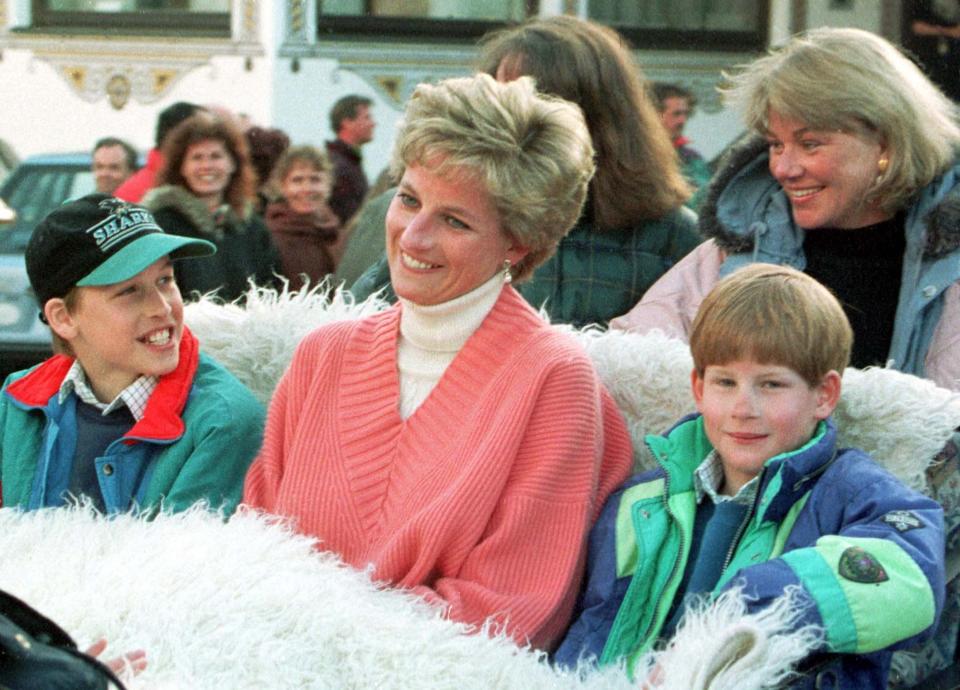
{"x":98,"y":240}
{"x":773,"y":315}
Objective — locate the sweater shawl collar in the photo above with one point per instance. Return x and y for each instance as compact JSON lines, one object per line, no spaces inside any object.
{"x":368,"y":394}
{"x":786,"y":478}
{"x":161,"y":420}
{"x":743,"y":199}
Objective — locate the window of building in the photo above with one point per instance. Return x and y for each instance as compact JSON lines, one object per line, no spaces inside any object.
{"x":420,"y":18}
{"x":679,"y":24}
{"x":676,"y":24}
{"x":200,"y":17}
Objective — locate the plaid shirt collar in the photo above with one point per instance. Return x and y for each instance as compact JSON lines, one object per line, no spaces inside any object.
{"x":708,"y":478}
{"x":134,"y":396}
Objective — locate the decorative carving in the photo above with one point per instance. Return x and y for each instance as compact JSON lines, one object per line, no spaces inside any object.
{"x":249,"y":21}
{"x":145,"y":81}
{"x":118,"y":91}
{"x":392,"y":86}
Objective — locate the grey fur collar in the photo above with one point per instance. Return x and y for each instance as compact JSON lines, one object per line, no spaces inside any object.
{"x":943,"y":222}
{"x":193,"y":209}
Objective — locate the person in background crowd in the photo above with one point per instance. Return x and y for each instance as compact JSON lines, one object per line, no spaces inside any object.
{"x":132,"y":415}
{"x":675,"y":105}
{"x":456,"y":445}
{"x":266,"y":146}
{"x":851,"y":174}
{"x":934,"y":37}
{"x":301,"y":222}
{"x":134,"y":187}
{"x":351,"y":121}
{"x":634,"y":225}
{"x":205,"y":190}
{"x":114,"y":160}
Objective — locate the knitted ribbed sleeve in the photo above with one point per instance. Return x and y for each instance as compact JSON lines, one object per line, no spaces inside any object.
{"x":483,"y":498}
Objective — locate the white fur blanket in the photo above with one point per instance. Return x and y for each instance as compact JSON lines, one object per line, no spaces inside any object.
{"x":249,"y":604}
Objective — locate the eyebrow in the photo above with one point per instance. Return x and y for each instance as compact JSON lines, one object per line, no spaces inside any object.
{"x":451,"y":210}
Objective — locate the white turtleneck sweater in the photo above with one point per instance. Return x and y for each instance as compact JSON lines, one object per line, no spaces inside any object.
{"x":430,"y":337}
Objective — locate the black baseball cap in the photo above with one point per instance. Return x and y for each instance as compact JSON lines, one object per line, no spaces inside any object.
{"x":99,"y":240}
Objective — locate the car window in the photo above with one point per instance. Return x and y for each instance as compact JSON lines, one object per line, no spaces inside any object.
{"x":35,"y":190}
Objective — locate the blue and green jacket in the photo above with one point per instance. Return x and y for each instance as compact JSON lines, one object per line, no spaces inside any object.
{"x":200,"y":431}
{"x":865,"y":551}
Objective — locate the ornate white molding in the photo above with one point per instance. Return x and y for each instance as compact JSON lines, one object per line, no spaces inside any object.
{"x":143,"y":68}
{"x":393,"y":70}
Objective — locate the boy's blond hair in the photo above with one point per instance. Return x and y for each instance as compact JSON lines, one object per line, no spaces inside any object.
{"x":772,"y":315}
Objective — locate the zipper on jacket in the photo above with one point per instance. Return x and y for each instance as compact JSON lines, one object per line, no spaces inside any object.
{"x":676,"y":561}
{"x":743,"y":524}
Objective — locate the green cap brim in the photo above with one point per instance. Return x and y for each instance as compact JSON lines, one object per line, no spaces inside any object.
{"x":136,"y":256}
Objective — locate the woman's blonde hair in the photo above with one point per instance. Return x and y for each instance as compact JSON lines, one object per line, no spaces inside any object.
{"x":531,"y":152}
{"x":855,"y":81}
{"x":310,"y":155}
{"x":638,"y":172}
{"x":772,"y":315}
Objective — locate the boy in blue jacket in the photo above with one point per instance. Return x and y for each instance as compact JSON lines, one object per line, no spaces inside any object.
{"x":130,"y":414}
{"x":753,"y":492}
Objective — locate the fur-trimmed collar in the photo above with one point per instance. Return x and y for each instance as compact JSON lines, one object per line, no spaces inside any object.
{"x":943,"y":221}
{"x":195,"y":210}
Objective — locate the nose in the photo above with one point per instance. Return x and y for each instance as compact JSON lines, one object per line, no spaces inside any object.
{"x":785,"y":165}
{"x":418,"y":233}
{"x":745,"y":404}
{"x":158,"y":304}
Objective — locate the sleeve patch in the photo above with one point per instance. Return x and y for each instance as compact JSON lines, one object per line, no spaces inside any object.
{"x":902,"y":520}
{"x":857,"y":565}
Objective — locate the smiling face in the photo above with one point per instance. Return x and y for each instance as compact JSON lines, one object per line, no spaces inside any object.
{"x":208,"y":168}
{"x":305,"y":188}
{"x":122,"y":331}
{"x":752,"y":412}
{"x":443,"y":236}
{"x":825,"y":174}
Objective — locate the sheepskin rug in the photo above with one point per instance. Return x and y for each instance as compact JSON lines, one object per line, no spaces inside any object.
{"x":249,"y":604}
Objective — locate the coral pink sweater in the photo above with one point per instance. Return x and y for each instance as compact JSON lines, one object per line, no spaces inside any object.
{"x":483,"y":498}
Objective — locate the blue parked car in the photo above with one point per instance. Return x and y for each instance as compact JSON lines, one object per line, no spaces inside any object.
{"x":34,"y":188}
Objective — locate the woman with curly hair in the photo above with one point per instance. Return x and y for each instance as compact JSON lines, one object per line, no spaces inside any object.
{"x":206,"y":190}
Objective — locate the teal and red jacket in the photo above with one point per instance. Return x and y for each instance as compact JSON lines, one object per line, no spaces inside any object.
{"x":866,"y":552}
{"x":200,"y":431}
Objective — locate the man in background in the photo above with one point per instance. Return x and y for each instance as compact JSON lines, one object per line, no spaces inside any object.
{"x":144,"y":179}
{"x":675,"y":105}
{"x":351,"y":121}
{"x":114,"y":160}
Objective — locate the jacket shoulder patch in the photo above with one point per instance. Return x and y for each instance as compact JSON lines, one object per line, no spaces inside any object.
{"x":857,"y":565}
{"x":902,"y":520}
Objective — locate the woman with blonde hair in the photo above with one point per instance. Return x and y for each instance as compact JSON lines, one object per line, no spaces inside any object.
{"x":850,"y":175}
{"x":456,"y":444}
{"x":634,"y":226}
{"x":303,"y":226}
{"x":206,"y":190}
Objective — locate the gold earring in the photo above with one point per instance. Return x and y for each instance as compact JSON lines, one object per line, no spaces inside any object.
{"x":507,"y":276}
{"x":882,"y":165}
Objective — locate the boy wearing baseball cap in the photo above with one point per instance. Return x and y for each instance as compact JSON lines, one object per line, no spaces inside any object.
{"x":130,"y":414}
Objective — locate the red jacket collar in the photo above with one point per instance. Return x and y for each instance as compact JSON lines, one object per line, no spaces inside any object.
{"x":161,"y":420}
